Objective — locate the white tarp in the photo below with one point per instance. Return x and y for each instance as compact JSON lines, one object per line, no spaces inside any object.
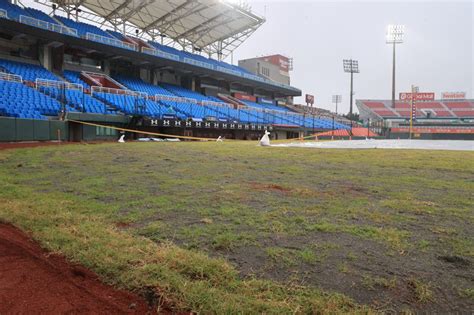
{"x":459,"y":145}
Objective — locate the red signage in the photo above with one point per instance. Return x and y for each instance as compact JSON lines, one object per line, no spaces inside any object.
{"x":280,"y":61}
{"x":453,"y":96}
{"x":422,"y":96}
{"x":245,"y":97}
{"x":309,"y":99}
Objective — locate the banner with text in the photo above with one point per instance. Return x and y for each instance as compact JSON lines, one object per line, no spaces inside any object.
{"x":453,"y":96}
{"x":422,"y":96}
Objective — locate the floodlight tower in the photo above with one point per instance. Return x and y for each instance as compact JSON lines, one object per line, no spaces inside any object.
{"x":395,"y":35}
{"x":335,"y":99}
{"x":351,"y":66}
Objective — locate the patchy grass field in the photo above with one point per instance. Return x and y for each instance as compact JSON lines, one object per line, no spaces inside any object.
{"x":236,"y":228}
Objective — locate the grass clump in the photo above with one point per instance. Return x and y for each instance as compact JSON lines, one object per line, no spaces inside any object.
{"x":372,"y":283}
{"x":468,"y":293}
{"x":308,"y":255}
{"x":226,"y":241}
{"x":422,"y":291}
{"x":281,"y":255}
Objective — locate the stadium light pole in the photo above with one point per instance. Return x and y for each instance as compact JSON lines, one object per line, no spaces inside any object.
{"x":395,"y":35}
{"x":351,"y":66}
{"x":335,"y":99}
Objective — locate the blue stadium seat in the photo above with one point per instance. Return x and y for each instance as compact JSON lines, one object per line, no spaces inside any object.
{"x":13,"y":11}
{"x":18,"y":100}
{"x":82,"y":28}
{"x":76,"y":100}
{"x":75,"y":77}
{"x":40,"y":15}
{"x":28,"y":72}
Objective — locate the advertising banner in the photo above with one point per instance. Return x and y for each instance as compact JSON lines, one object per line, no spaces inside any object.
{"x":422,"y":96}
{"x":309,"y":99}
{"x":265,"y":101}
{"x":245,"y":97}
{"x":453,"y":95}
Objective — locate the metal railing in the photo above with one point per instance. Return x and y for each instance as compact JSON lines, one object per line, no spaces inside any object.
{"x":101,"y":89}
{"x":10,"y":77}
{"x":198,"y":63}
{"x":48,"y":26}
{"x":58,"y":84}
{"x":110,"y":41}
{"x":259,"y":114}
{"x":159,"y":53}
{"x":213,"y":103}
{"x":92,"y":77}
{"x":3,"y":13}
{"x":171,"y":98}
{"x":228,"y":71}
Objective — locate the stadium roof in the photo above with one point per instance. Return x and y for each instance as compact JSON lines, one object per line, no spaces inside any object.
{"x":213,"y":26}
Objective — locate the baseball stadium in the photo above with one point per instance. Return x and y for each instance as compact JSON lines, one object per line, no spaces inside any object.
{"x":144,"y":171}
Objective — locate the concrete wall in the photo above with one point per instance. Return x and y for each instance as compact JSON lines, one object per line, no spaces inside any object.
{"x":167,"y":77}
{"x":257,"y":67}
{"x":14,"y":129}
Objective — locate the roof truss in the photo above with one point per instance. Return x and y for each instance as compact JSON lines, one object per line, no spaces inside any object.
{"x":214,"y":27}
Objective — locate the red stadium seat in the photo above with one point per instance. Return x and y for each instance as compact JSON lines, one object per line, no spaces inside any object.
{"x":443,"y":113}
{"x":453,"y":105}
{"x":429,"y":105}
{"x":374,"y":104}
{"x":464,"y":113}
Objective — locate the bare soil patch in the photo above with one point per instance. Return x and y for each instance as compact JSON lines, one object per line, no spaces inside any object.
{"x":34,"y":281}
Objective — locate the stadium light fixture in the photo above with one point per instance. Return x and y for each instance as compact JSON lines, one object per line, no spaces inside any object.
{"x":395,"y":34}
{"x":351,"y":66}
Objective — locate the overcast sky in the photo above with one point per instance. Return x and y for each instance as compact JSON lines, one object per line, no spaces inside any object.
{"x":437,"y":55}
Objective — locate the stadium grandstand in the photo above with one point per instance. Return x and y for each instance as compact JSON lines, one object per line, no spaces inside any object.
{"x":432,"y":119}
{"x":148,"y":65}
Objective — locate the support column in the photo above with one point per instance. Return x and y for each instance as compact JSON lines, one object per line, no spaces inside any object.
{"x":47,"y":59}
{"x":106,"y":67}
{"x":193,"y":84}
{"x":145,"y":75}
{"x":155,"y":77}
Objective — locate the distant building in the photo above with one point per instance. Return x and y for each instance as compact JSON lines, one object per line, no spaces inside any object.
{"x":275,"y":67}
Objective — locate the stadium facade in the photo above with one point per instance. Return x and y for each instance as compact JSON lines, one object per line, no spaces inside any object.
{"x":152,"y":67}
{"x":275,"y":67}
{"x":451,"y":118}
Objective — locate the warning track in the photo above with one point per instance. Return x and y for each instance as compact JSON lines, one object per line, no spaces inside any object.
{"x":34,"y":281}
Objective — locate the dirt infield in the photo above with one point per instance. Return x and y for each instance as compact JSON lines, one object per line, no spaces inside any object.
{"x":33,"y":281}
